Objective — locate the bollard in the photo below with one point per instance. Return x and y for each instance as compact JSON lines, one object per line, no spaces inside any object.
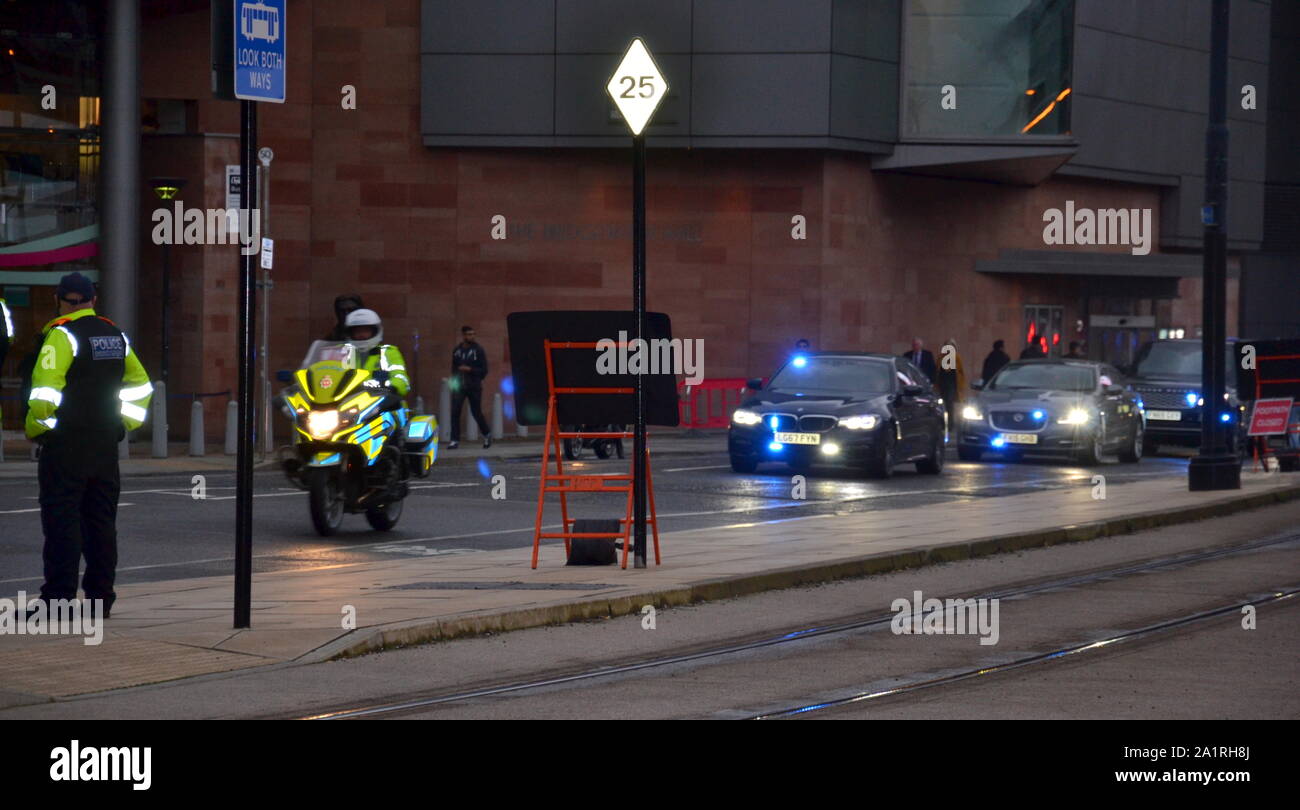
{"x":196,"y":427}
{"x":498,"y":417}
{"x":159,"y":420}
{"x":232,"y":428}
{"x":444,"y":405}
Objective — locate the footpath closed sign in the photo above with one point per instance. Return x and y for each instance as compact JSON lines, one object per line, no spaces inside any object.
{"x":259,"y":50}
{"x":1270,"y":416}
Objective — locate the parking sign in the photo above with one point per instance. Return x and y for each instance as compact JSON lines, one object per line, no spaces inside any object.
{"x":259,"y":50}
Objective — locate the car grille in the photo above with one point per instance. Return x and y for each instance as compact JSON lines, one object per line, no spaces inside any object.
{"x":817,"y":424}
{"x":783,"y":422}
{"x":1017,"y":420}
{"x":1164,"y":399}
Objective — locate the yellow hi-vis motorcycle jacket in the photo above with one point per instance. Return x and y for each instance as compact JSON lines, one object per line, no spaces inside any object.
{"x":389,"y":358}
{"x":86,"y":377}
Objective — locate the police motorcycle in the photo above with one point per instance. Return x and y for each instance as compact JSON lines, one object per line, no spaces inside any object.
{"x":356,"y":445}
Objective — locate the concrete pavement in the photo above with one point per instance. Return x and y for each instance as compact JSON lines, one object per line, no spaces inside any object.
{"x":173,"y":629}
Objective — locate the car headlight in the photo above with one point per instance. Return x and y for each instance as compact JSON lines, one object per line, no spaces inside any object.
{"x":744,"y":417}
{"x":322,"y":424}
{"x":864,"y":422}
{"x":1076,"y":416}
{"x":971,"y":412}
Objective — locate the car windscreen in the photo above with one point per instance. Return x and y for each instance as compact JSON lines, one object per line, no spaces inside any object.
{"x":1177,"y":358}
{"x":834,"y":375}
{"x":1044,"y":376}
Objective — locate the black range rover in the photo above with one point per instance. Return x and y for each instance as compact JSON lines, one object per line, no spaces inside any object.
{"x":1167,"y":376}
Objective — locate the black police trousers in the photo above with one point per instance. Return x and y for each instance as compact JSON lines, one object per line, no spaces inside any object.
{"x":475,"y":396}
{"x":80,"y":482}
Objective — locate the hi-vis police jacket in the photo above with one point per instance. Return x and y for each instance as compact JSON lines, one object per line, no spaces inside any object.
{"x":86,"y":379}
{"x":389,"y":358}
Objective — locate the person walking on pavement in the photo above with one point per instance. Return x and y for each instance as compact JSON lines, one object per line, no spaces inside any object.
{"x":88,"y":390}
{"x":468,"y":368}
{"x":344,"y":305}
{"x":994,"y":361}
{"x":951,"y":380}
{"x":921,"y":357}
{"x":1032,"y":351}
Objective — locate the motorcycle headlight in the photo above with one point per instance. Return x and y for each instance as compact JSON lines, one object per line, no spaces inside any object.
{"x":322,"y":424}
{"x":1076,"y":416}
{"x":866,"y":421}
{"x":744,"y":417}
{"x":971,"y":412}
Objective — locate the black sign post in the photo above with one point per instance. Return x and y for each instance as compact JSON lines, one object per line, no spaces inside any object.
{"x":1214,"y":467}
{"x":247,"y":324}
{"x":638,"y":306}
{"x":637,"y":88}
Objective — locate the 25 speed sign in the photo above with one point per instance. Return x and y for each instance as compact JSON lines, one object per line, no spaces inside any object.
{"x":637,"y":86}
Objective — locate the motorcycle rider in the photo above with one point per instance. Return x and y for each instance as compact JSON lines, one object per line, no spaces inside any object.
{"x":365,"y":331}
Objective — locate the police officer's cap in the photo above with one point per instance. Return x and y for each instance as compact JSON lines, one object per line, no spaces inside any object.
{"x":76,"y":284}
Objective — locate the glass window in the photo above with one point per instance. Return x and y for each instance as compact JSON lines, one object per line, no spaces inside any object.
{"x":831,"y":375}
{"x":1008,"y":63}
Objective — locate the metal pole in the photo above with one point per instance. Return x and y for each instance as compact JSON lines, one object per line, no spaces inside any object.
{"x":166,"y":312}
{"x":1214,"y":467}
{"x":247,"y":325}
{"x":638,"y":307}
{"x":264,"y":196}
{"x":119,"y":184}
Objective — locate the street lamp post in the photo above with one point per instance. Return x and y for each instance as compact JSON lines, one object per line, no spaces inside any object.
{"x":166,"y":188}
{"x":1214,"y":467}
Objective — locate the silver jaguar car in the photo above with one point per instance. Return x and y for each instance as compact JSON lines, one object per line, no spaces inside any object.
{"x":1074,"y":408}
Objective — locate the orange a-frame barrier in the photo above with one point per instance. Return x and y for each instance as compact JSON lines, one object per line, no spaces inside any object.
{"x":563,"y":483}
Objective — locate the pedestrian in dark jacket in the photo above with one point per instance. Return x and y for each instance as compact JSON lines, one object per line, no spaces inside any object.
{"x":1032,"y":351}
{"x":994,"y":362}
{"x":921,"y":357}
{"x":344,"y":306}
{"x":468,"y":368}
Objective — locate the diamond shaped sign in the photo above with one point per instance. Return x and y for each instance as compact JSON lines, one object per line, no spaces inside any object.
{"x":637,"y":86}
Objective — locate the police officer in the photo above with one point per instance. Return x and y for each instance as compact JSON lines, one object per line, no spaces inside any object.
{"x":365,"y":331}
{"x":88,"y":389}
{"x":468,"y":368}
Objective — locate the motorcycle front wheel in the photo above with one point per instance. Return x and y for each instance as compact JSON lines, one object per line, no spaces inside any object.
{"x":326,"y":501}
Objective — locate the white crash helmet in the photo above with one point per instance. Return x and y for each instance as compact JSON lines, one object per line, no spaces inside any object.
{"x":364,"y":317}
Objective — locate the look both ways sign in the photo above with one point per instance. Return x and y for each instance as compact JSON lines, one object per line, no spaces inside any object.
{"x":259,"y":50}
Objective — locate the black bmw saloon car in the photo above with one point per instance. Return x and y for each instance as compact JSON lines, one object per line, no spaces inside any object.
{"x":867,"y":412}
{"x":1075,"y":408}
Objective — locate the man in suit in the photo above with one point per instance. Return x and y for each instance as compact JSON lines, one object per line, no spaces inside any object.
{"x":921,"y":358}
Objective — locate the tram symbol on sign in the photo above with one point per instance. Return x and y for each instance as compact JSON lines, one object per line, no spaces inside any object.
{"x":259,"y":21}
